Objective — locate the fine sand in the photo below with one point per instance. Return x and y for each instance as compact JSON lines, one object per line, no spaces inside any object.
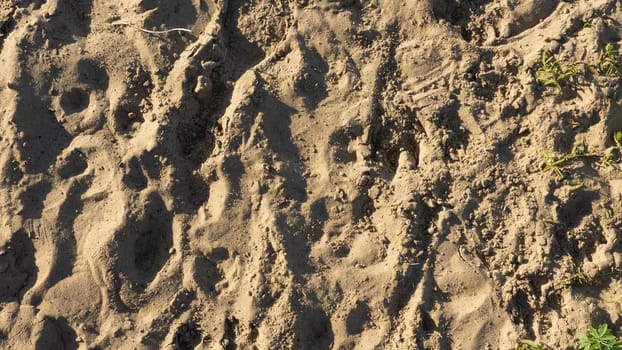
{"x":304,"y":174}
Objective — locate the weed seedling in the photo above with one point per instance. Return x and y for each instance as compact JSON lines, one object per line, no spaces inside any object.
{"x":600,"y":339}
{"x":554,"y":162}
{"x":607,"y":214}
{"x":606,"y":160}
{"x":582,"y":279}
{"x":526,"y":344}
{"x":608,"y":62}
{"x":551,"y":72}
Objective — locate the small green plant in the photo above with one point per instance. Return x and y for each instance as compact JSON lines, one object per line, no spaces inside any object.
{"x":554,"y":163}
{"x":606,"y":160}
{"x":608,"y":62}
{"x":551,"y":72}
{"x":580,"y":278}
{"x":599,"y":339}
{"x":527,"y":344}
{"x":607,"y":214}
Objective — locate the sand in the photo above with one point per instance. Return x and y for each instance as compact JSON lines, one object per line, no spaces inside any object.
{"x":308,"y":174}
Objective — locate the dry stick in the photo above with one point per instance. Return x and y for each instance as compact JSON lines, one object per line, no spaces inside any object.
{"x":121,"y":23}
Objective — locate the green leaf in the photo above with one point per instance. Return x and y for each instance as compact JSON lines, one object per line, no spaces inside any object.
{"x":602,"y":330}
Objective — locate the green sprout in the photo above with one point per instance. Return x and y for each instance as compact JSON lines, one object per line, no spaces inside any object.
{"x":580,"y":278}
{"x":551,"y":72}
{"x":606,"y":160}
{"x":554,"y":162}
{"x":607,"y":214}
{"x":527,"y":344}
{"x":608,"y":62}
{"x":599,"y":339}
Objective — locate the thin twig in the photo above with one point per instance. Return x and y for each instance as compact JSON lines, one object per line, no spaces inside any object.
{"x":121,"y":23}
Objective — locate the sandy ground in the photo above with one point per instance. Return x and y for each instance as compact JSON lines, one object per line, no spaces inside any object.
{"x":304,"y":174}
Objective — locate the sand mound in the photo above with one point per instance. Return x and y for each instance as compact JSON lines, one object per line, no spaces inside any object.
{"x":309,"y":174}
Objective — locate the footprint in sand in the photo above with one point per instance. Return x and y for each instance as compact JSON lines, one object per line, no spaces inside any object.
{"x":486,"y":21}
{"x":17,"y":267}
{"x":145,"y":241}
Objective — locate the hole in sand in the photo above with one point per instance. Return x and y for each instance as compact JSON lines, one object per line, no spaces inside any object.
{"x":74,"y":100}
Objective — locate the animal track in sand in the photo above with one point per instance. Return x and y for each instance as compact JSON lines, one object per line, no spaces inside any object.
{"x":146,"y":239}
{"x":487,"y":21}
{"x":133,"y":176}
{"x":72,"y":164}
{"x":54,"y":333}
{"x":17,"y":267}
{"x":205,"y":274}
{"x":74,"y":101}
{"x":91,"y":72}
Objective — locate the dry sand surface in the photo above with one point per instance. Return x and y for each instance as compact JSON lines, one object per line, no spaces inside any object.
{"x":304,"y":174}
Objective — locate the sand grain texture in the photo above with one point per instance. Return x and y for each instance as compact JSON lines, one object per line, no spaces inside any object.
{"x":330,"y":174}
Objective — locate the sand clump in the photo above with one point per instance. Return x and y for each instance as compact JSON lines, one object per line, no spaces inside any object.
{"x":309,"y":174}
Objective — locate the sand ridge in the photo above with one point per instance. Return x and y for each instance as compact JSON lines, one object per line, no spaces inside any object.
{"x":328,"y":174}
